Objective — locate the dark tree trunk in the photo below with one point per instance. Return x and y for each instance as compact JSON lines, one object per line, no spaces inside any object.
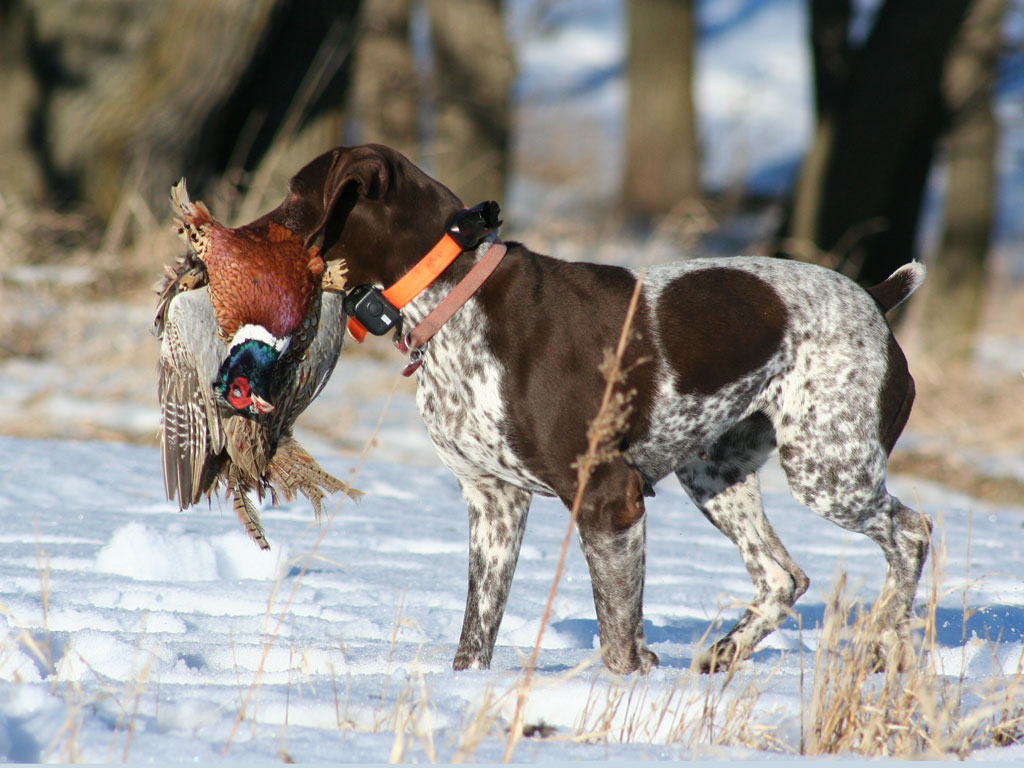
{"x":22,"y":178}
{"x":858,"y":198}
{"x":661,"y":147}
{"x":385,"y":93}
{"x":830,"y":51}
{"x":299,"y":108}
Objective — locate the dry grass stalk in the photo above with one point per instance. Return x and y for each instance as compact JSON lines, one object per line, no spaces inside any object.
{"x":482,"y":724}
{"x":130,"y":701}
{"x":334,"y":690}
{"x":67,"y":735}
{"x":42,"y":652}
{"x":610,"y":420}
{"x":1009,"y":727}
{"x":396,"y":626}
{"x":854,"y":709}
{"x":696,"y":710}
{"x":413,"y":717}
{"x":136,"y":689}
{"x":913,"y":712}
{"x":340,"y":716}
{"x":730,"y":720}
{"x":72,"y":725}
{"x":43,"y":569}
{"x":888,"y":714}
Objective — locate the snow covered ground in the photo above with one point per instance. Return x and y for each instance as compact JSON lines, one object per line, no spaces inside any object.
{"x":128,"y":629}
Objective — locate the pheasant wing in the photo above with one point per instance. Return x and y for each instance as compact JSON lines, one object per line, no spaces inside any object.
{"x":324,"y":350}
{"x":192,"y":435}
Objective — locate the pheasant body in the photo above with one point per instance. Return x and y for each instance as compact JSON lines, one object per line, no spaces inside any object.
{"x":244,"y":309}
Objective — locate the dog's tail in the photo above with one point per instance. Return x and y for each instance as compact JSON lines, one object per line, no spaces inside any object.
{"x":896,"y":288}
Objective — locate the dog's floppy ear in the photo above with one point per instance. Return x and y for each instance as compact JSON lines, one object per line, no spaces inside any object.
{"x":363,"y":171}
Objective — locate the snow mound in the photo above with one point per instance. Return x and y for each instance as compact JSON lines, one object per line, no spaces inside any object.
{"x":149,"y":554}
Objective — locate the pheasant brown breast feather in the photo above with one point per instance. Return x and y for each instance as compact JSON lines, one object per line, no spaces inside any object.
{"x":259,"y":274}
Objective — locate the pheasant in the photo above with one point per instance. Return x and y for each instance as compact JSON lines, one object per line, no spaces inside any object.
{"x":242,"y":355}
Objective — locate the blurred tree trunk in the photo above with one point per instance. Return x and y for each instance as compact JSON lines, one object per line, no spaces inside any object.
{"x":385,"y":97}
{"x":473,"y":80}
{"x":300,"y":108}
{"x":661,"y":145}
{"x":130,"y":96}
{"x":21,"y":177}
{"x":145,"y":122}
{"x":858,"y":199}
{"x":954,"y":291}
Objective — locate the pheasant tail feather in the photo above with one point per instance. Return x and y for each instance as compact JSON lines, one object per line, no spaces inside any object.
{"x":248,"y":515}
{"x":293,"y":470}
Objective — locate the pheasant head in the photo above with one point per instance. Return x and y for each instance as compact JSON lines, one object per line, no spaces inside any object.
{"x":245,"y":377}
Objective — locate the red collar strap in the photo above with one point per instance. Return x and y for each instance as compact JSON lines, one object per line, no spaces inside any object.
{"x":451,"y":304}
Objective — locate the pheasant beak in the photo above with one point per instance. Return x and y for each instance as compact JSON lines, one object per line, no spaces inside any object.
{"x":260,"y":405}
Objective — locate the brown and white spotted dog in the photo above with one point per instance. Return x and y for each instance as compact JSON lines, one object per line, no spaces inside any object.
{"x":737,"y":357}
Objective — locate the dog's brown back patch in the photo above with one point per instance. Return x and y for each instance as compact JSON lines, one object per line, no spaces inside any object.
{"x":717,"y":325}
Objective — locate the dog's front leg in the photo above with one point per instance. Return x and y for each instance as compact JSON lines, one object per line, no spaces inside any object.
{"x":497,"y":518}
{"x":613,"y":534}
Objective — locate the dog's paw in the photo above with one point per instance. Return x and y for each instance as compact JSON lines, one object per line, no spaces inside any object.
{"x":719,"y":657}
{"x":648,"y":659}
{"x":637,"y":659}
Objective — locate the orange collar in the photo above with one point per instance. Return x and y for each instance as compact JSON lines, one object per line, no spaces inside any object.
{"x":464,"y":232}
{"x":415,"y":280}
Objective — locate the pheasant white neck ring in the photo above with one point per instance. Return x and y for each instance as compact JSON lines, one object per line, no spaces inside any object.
{"x":259,"y":333}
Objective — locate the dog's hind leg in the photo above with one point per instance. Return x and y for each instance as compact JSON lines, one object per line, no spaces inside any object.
{"x":843,"y":480}
{"x":723,"y":484}
{"x":851,"y":493}
{"x":497,"y":519}
{"x":612,"y":525}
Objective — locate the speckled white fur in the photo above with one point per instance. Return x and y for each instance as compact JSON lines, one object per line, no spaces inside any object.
{"x":459,"y":395}
{"x":817,"y":396}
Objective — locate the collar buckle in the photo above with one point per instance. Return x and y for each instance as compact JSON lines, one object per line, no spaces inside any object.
{"x":415,"y":361}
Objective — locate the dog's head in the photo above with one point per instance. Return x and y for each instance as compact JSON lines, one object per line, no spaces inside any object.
{"x":369,"y":205}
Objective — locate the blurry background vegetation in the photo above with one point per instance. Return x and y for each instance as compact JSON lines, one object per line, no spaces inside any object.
{"x":106,"y":103}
